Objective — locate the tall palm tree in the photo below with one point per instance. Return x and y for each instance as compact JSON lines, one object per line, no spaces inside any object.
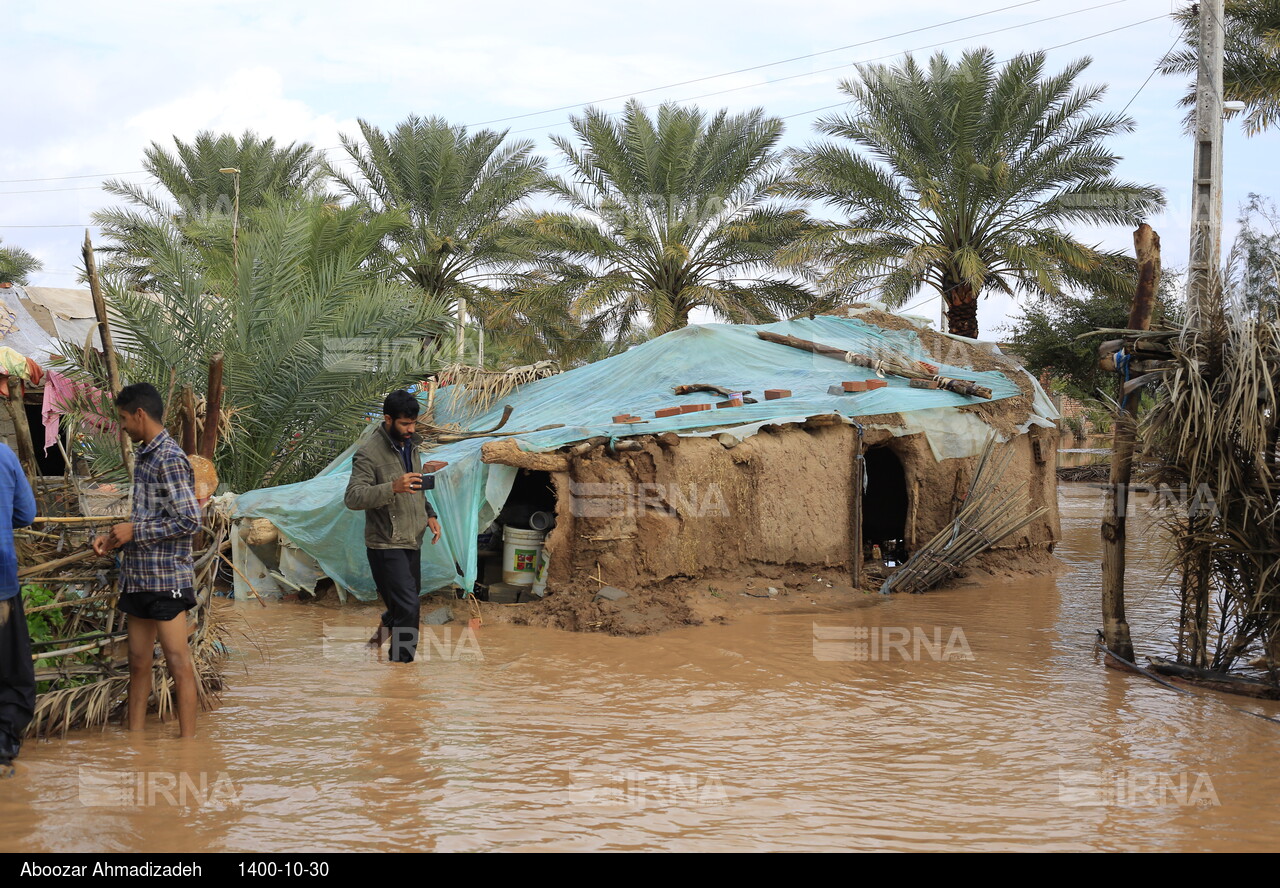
{"x":314,"y":333}
{"x":198,"y":200}
{"x":967,"y":180}
{"x":665,"y":215}
{"x":17,"y":265}
{"x":1250,"y":64}
{"x":457,"y":192}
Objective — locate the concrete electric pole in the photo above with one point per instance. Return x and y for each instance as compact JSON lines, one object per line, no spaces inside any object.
{"x":1206,"y":202}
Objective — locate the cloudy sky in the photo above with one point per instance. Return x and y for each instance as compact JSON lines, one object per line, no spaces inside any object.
{"x":89,"y":85}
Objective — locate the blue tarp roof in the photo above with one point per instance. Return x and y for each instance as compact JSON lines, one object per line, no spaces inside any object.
{"x":469,"y":493}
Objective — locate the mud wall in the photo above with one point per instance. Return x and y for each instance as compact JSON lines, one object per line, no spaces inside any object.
{"x":781,"y":497}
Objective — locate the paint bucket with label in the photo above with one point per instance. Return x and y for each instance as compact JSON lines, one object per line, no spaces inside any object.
{"x":520,"y":551}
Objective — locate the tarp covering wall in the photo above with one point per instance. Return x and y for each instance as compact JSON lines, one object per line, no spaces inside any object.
{"x":469,"y":493}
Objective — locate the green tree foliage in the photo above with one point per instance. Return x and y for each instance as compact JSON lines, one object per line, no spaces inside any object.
{"x":1252,"y":275}
{"x":665,"y":214}
{"x":197,"y":200}
{"x":457,"y":192}
{"x":17,"y":265}
{"x":964,"y":176}
{"x":314,"y":334}
{"x":1045,"y":337}
{"x":1251,"y":60}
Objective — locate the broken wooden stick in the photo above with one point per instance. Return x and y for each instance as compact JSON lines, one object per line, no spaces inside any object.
{"x":466,"y":436}
{"x":715,"y":390}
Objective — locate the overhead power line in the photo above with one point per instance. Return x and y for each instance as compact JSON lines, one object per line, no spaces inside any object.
{"x":757,"y":67}
{"x":669,"y":85}
{"x":786,"y":116}
{"x":891,"y":55}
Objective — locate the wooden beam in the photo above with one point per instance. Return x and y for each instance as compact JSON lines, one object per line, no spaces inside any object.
{"x":508,"y":453}
{"x":855,"y":509}
{"x":108,"y":345}
{"x":188,"y":420}
{"x":22,"y":431}
{"x":1115,"y":624}
{"x":212,"y":408}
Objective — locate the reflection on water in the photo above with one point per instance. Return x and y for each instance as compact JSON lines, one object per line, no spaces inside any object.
{"x":977,"y":717}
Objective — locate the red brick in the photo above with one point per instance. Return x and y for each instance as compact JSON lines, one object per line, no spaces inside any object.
{"x":855,"y":386}
{"x":732,"y":402}
{"x":668,"y":411}
{"x":775,"y":394}
{"x":694,"y":408}
{"x":873,"y":384}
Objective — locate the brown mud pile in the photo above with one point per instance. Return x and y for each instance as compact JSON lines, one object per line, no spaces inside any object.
{"x":685,"y":601}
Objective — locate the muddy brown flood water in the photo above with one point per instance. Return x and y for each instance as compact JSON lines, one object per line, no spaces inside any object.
{"x":801,"y":731}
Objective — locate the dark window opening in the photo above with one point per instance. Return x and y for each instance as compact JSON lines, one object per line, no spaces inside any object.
{"x":531,"y":505}
{"x":532,"y":499}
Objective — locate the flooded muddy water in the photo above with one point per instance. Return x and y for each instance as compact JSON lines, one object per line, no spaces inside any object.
{"x":975,"y":718}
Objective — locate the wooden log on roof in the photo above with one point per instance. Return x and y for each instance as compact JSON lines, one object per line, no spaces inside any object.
{"x":508,"y":453}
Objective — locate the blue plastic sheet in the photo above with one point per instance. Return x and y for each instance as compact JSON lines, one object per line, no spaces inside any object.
{"x":469,"y":493}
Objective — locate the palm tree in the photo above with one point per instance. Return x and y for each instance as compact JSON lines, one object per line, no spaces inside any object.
{"x":197,"y":199}
{"x":457,"y":192}
{"x":664,"y":216}
{"x":314,"y":333}
{"x":1251,"y":60}
{"x":967,"y":180}
{"x":17,"y":265}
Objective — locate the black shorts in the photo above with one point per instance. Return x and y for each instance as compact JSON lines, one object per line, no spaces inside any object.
{"x":161,"y":605}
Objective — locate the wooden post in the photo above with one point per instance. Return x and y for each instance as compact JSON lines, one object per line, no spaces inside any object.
{"x":108,"y":346}
{"x":855,"y":510}
{"x":212,"y":408}
{"x":1115,"y":625}
{"x":188,"y":420}
{"x":22,"y":431}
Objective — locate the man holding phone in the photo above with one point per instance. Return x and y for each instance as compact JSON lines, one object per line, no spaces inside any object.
{"x":387,"y":483}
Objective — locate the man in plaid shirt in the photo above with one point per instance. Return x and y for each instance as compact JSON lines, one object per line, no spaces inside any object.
{"x":157,"y":580}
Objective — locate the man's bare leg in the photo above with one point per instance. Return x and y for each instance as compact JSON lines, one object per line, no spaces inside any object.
{"x":177,"y":655}
{"x":142,"y":645}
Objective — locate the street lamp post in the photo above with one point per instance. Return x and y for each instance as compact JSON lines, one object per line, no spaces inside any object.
{"x":235,"y":226}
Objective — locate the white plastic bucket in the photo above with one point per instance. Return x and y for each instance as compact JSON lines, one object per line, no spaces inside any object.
{"x":520,"y":552}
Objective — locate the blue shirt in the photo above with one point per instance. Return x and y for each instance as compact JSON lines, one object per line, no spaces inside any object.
{"x":17,"y":509}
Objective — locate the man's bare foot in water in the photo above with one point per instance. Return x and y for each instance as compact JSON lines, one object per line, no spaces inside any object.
{"x":380,"y":637}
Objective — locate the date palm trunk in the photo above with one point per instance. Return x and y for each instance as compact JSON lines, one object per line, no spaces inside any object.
{"x":962,"y":311}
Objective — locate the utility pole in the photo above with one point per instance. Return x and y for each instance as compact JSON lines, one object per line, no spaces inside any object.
{"x":1206,"y":182}
{"x":462,"y":326}
{"x":235,"y":227}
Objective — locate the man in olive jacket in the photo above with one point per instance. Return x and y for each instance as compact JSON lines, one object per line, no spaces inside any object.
{"x":387,"y":483}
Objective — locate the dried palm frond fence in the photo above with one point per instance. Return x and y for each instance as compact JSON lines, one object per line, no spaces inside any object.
{"x":78,"y":643}
{"x":1212,"y":435}
{"x":987,"y":517}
